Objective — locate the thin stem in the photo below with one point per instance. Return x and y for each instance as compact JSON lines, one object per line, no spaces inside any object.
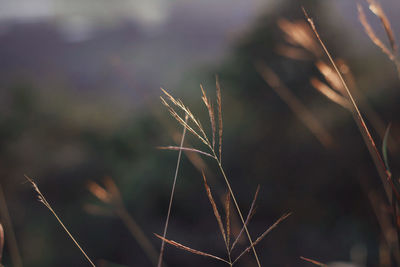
{"x":70,"y":235}
{"x":229,"y":258}
{"x":237,"y":207}
{"x":43,"y":200}
{"x":172,"y":194}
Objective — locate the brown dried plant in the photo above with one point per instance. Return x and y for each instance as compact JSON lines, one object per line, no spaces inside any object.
{"x":225,"y":229}
{"x":43,"y":200}
{"x":302,"y":44}
{"x":339,"y":77}
{"x":389,"y":184}
{"x":337,"y":94}
{"x":111,"y":196}
{"x":375,"y":154}
{"x":376,"y":9}
{"x":193,"y":125}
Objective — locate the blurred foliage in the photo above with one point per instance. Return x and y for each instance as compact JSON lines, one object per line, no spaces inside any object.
{"x":63,"y":148}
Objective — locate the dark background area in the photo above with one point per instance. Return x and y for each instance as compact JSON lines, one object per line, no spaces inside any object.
{"x":81,"y":102}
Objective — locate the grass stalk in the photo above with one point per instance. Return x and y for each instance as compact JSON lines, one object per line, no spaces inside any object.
{"x":203,"y":137}
{"x":159,"y":264}
{"x":48,"y":206}
{"x":228,"y":184}
{"x":369,"y":141}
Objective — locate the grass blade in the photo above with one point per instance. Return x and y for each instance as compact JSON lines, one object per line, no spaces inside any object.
{"x":384,"y":148}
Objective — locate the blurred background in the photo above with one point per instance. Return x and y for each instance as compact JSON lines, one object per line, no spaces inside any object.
{"x":79,"y":92}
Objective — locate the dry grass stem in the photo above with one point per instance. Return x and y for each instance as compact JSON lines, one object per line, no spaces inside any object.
{"x":376,"y":8}
{"x":378,"y":11}
{"x":359,"y":120}
{"x":205,"y":140}
{"x":187,"y":149}
{"x":249,"y":215}
{"x":373,"y":117}
{"x":371,"y":34}
{"x":180,"y":246}
{"x":330,"y":93}
{"x":220,"y":124}
{"x":43,"y":200}
{"x":159,"y":264}
{"x":314,"y":262}
{"x":238,"y":210}
{"x":215,"y":209}
{"x":335,"y":83}
{"x":12,"y":244}
{"x":261,"y":237}
{"x":293,"y":30}
{"x":303,"y":113}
